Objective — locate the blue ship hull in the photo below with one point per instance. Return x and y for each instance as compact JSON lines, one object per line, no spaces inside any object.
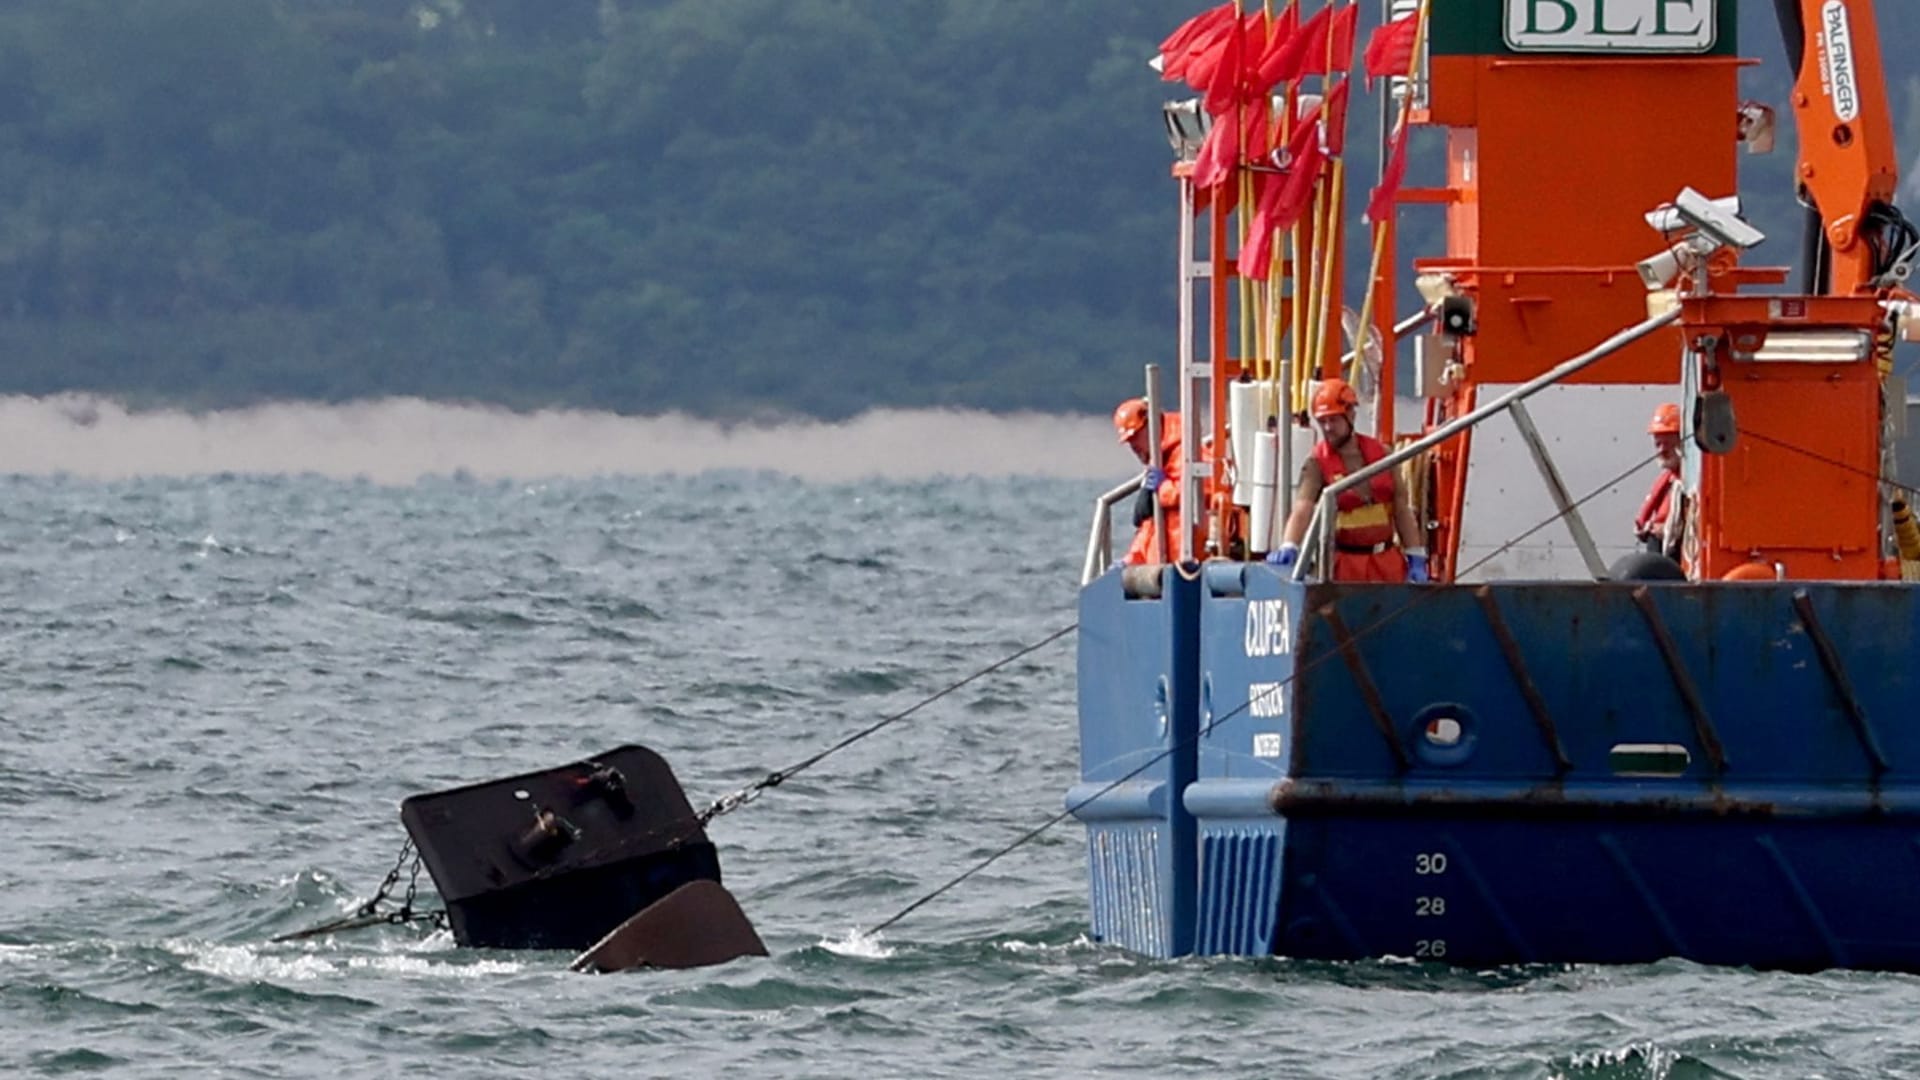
{"x":1507,"y":773}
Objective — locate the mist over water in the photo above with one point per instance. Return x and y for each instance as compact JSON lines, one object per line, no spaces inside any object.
{"x":399,"y":440}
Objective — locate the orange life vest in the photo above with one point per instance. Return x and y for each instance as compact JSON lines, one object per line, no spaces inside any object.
{"x":1142,"y":550}
{"x":1651,"y":522}
{"x":1365,"y":517}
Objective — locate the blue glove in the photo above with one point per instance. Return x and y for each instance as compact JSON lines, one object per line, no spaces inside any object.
{"x":1286,"y":556}
{"x":1417,"y":568}
{"x":1153,"y":479}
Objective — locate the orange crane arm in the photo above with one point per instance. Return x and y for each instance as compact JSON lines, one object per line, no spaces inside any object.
{"x":1849,"y":165}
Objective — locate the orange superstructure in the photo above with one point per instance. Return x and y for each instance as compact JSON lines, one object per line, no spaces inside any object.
{"x":1591,"y":174}
{"x":1554,"y":162}
{"x":1802,"y":377}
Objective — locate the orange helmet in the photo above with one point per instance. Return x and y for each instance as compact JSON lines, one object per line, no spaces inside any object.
{"x":1750,"y":571}
{"x":1666,"y":420}
{"x":1333,"y":397}
{"x":1130,"y":418}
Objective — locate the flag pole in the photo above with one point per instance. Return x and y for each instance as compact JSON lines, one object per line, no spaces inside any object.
{"x":1327,"y":292}
{"x":1266,"y":300}
{"x":1380,"y":228}
{"x":1243,"y":179}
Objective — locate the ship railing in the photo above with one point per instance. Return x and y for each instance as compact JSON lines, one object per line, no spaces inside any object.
{"x":1318,"y":548}
{"x":1100,"y":539}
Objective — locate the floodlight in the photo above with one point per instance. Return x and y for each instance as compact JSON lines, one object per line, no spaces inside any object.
{"x":1187,"y":125}
{"x":1434,"y":287}
{"x":1716,"y":221}
{"x":1668,"y":219}
{"x":1661,"y":270}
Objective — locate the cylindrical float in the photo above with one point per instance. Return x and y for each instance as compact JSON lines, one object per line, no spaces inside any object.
{"x":1245,"y":419}
{"x":1264,"y":512}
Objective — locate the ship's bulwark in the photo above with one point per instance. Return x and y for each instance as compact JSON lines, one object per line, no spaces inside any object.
{"x":1137,"y":679}
{"x":1548,"y":772}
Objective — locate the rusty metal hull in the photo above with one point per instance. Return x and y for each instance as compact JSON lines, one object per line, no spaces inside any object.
{"x":1553,"y":772}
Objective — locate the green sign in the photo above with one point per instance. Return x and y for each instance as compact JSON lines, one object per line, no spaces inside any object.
{"x":1588,"y":27}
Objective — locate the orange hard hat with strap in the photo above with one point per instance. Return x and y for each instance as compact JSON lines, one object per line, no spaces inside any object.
{"x":1666,"y":420}
{"x":1333,"y":397}
{"x":1130,"y":418}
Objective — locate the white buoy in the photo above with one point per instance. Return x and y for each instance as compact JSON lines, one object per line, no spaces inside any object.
{"x":1266,"y":461}
{"x":1245,"y":419}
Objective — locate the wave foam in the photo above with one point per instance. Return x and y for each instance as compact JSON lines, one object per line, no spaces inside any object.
{"x":248,"y":963}
{"x":858,"y":944}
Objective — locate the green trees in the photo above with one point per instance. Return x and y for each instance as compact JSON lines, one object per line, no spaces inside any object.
{"x":762,"y":206}
{"x":811,"y":206}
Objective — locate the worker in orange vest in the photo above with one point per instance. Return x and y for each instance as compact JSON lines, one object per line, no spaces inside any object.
{"x":1650,"y":524}
{"x":1161,"y":484}
{"x":1368,"y":518}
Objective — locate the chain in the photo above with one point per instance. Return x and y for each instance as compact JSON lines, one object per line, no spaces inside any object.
{"x":393,"y":878}
{"x":369,"y":913}
{"x":413,"y":884}
{"x":727,"y":804}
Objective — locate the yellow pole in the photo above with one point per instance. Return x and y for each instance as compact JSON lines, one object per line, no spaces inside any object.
{"x":1380,"y":227}
{"x":1327,"y":290}
{"x":1315,"y":282}
{"x":1244,"y":180}
{"x":1327,"y":294}
{"x":1296,"y":313}
{"x":1265,"y":312}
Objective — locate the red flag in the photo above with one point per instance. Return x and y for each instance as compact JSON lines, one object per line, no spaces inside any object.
{"x":1390,"y":49}
{"x":1340,"y":47}
{"x":1192,"y":39}
{"x":1259,"y":133}
{"x":1285,"y":26}
{"x":1305,"y":53}
{"x":1306,"y":159}
{"x":1286,"y":60}
{"x":1380,"y":203}
{"x":1174,"y":50}
{"x":1222,"y":86}
{"x":1256,"y":259}
{"x":1285,"y":197}
{"x":1182,"y":37}
{"x":1219,"y":153}
{"x":1207,"y":55}
{"x":1336,"y":110}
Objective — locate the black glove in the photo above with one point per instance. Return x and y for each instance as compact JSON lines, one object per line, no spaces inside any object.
{"x":1142,"y":508}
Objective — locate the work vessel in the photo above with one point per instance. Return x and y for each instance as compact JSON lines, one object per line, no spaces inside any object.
{"x":1561,"y":748}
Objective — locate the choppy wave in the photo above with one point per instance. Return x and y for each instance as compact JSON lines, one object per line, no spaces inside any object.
{"x":203,"y":753}
{"x":858,"y":943}
{"x":245,"y":963}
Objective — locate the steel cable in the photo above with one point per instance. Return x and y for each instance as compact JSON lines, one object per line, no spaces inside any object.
{"x":1299,"y":670}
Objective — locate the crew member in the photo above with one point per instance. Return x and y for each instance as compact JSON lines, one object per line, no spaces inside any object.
{"x":1650,"y":525}
{"x":1161,"y":484}
{"x":1369,"y":517}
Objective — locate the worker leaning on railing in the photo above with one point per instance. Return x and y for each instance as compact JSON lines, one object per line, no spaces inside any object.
{"x":1162,"y":484}
{"x":1369,"y":517}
